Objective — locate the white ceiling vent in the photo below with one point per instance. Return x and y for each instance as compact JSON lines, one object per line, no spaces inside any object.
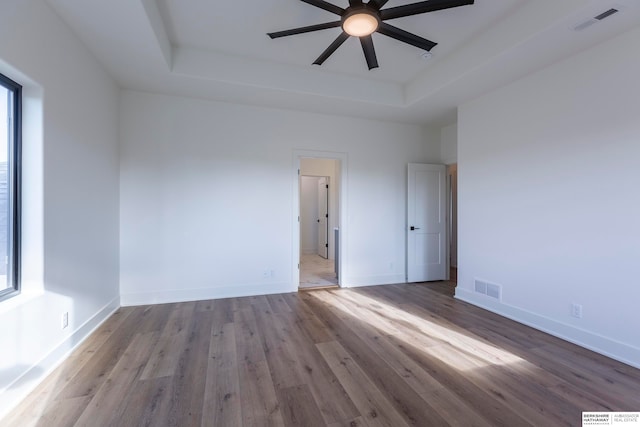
{"x":601,"y":16}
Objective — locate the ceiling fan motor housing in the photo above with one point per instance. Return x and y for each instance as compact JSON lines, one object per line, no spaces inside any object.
{"x":360,"y":20}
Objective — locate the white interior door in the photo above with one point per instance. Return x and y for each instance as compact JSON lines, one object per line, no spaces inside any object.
{"x":426,"y":223}
{"x":323,"y":217}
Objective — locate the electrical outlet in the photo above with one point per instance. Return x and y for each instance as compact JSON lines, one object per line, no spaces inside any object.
{"x":65,"y":319}
{"x":267,"y":274}
{"x":576,"y":311}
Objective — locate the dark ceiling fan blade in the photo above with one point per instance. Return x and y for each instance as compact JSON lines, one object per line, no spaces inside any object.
{"x":301,"y":30}
{"x":355,"y":2}
{"x":405,"y":36}
{"x":421,"y":7}
{"x":332,"y":48}
{"x":369,"y":51}
{"x":326,"y":6}
{"x":377,"y":4}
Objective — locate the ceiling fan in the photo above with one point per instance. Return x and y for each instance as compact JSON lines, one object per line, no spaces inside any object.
{"x":363,"y":19}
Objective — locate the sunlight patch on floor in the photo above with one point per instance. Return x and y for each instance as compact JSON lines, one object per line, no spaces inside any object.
{"x":439,"y":339}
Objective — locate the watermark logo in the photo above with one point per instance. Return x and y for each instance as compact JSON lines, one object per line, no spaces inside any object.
{"x":627,"y":419}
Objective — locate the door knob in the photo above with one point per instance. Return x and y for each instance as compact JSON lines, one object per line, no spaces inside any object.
{"x":414,"y":228}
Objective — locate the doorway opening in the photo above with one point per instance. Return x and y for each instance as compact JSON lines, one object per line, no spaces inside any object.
{"x":319,"y":219}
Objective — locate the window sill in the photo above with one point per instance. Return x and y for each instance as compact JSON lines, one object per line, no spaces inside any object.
{"x":24,"y":298}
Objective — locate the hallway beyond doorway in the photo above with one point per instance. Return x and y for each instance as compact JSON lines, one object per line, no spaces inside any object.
{"x":316,"y":271}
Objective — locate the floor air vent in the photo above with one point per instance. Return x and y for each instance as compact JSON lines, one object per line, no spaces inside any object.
{"x":489,"y":289}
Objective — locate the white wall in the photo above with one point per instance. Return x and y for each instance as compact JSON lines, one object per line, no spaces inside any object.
{"x":309,"y":214}
{"x":207,"y":196}
{"x":70,"y":205}
{"x":549,"y":169}
{"x":449,"y":144}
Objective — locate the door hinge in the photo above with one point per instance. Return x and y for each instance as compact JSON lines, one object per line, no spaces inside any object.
{"x":326,"y":245}
{"x":298,"y":266}
{"x":327,"y":185}
{"x":298,"y":171}
{"x":326,"y":215}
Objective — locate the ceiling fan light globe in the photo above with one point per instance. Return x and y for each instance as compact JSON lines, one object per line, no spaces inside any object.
{"x":360,"y":24}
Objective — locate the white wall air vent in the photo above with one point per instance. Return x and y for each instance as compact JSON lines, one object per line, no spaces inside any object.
{"x":481,"y":287}
{"x":599,"y":17}
{"x":489,"y":289}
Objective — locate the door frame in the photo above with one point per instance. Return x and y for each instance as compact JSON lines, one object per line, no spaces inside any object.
{"x":450,"y":222}
{"x":342,"y":170}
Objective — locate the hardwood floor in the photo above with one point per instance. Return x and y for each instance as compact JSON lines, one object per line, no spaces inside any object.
{"x":379,"y":356}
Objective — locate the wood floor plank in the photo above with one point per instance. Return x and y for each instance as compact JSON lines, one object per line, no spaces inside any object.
{"x":164,"y":357}
{"x":186,"y":395}
{"x":580,"y":398}
{"x":406,"y":354}
{"x":108,"y":402}
{"x":489,"y":406}
{"x":34,"y":406}
{"x":248,"y":341}
{"x":590,"y":381}
{"x":278,"y":303}
{"x":223,"y":310}
{"x":601,"y":366}
{"x":332,"y":399}
{"x":222,"y":405}
{"x":279,"y":354}
{"x":63,"y":412}
{"x":260,"y":406}
{"x":355,"y":422}
{"x":205,"y":305}
{"x":307,"y":319}
{"x":533,"y":403}
{"x":414,"y":375}
{"x":385,"y":319}
{"x":299,"y":408}
{"x":372,"y":404}
{"x":413,"y":409}
{"x":261,"y":303}
{"x":143,"y":320}
{"x":439,"y":329}
{"x":405,"y":367}
{"x":144,"y":404}
{"x":454,"y":409}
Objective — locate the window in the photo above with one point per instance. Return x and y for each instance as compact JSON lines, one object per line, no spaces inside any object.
{"x":10,"y":139}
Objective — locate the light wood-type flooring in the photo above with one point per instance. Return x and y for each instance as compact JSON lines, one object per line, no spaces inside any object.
{"x":379,"y":356}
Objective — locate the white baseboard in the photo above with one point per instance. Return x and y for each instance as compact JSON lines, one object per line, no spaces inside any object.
{"x":622,"y":352}
{"x":355,"y":282}
{"x":184,"y":295}
{"x":34,"y":375}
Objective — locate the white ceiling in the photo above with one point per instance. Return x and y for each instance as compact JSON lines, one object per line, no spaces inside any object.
{"x":219,"y":50}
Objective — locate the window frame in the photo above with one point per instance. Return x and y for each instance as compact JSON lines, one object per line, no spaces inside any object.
{"x":14,"y":187}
